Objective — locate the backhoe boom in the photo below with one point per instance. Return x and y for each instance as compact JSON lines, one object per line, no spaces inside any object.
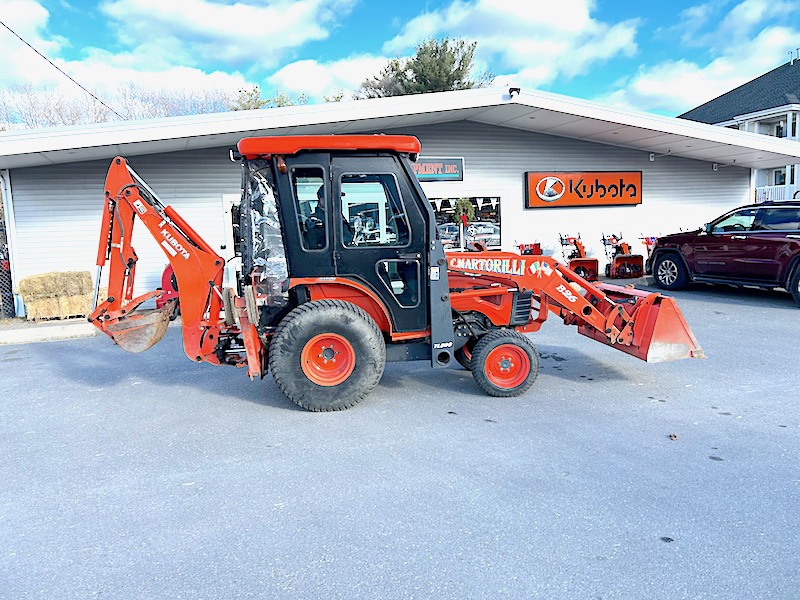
{"x":198,"y":270}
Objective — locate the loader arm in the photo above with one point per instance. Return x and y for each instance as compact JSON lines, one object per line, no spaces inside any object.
{"x":198,"y":271}
{"x":646,"y":325}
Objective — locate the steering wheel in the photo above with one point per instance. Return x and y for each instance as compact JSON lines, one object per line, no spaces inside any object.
{"x":313,"y":222}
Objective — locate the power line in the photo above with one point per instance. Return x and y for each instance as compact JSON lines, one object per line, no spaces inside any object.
{"x":60,"y":71}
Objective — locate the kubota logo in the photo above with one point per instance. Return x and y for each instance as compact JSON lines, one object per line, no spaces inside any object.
{"x":550,"y":189}
{"x":173,"y":246}
{"x":582,"y":188}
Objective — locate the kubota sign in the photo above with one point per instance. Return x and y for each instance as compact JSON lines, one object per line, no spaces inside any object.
{"x":582,"y":188}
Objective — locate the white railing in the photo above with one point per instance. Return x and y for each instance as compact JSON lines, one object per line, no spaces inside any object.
{"x":776,"y":193}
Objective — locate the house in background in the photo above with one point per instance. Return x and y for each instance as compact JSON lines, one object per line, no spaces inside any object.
{"x":770,"y":105}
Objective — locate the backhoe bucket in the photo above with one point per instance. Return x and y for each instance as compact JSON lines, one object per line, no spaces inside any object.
{"x":139,"y":331}
{"x":653,"y":327}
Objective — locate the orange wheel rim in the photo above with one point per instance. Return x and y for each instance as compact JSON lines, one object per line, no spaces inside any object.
{"x":507,"y":366}
{"x":328,"y":359}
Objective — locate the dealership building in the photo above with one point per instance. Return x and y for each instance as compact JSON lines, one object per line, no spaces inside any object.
{"x":535,"y":166}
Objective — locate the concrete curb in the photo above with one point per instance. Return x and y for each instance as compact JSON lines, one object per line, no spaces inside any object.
{"x":47,"y":332}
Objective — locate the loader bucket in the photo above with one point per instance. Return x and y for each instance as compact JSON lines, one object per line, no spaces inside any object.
{"x":140,"y":330}
{"x":660,"y":333}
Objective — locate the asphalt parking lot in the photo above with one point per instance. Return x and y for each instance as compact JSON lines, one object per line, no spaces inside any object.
{"x":148,"y":476}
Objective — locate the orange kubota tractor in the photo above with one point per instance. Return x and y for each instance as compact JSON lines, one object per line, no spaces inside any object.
{"x":342,"y":270}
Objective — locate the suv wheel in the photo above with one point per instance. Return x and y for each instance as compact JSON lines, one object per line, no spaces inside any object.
{"x":794,"y":284}
{"x":669,"y":272}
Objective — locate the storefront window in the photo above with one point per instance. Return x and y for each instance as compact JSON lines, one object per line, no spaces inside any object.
{"x":480,"y":224}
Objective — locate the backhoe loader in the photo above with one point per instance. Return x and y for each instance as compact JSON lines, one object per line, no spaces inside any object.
{"x":342,"y":270}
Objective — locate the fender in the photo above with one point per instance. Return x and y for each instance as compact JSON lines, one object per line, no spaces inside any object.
{"x":669,"y":250}
{"x":341,"y":288}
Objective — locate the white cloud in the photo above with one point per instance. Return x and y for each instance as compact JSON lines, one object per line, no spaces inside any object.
{"x":533,"y":43}
{"x":168,"y":45}
{"x":318,"y":79}
{"x":741,"y":47}
{"x":28,"y":19}
{"x":239,"y":34}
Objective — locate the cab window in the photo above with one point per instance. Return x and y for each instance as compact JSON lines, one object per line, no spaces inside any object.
{"x":372,"y":211}
{"x":308,"y":187}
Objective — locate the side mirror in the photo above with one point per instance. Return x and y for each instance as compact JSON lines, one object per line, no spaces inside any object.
{"x":707,"y":228}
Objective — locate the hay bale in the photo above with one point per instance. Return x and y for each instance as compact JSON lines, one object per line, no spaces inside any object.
{"x":75,"y":283}
{"x":52,"y":285}
{"x":78,"y":305}
{"x":57,"y":295}
{"x":39,"y":309}
{"x":63,"y":307}
{"x":36,"y":286}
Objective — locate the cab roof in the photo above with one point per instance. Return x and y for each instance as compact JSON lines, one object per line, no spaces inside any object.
{"x":261,"y":147}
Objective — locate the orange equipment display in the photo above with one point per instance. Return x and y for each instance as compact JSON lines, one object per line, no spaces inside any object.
{"x":325,"y":312}
{"x":575,"y":254}
{"x":534,"y":248}
{"x":621,"y":263}
{"x":649,"y":242}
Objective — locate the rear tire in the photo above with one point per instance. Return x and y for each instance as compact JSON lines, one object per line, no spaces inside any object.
{"x":327,"y":355}
{"x":669,"y":272}
{"x":504,"y":363}
{"x":794,"y":284}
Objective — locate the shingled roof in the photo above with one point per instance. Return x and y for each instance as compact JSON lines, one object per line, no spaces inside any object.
{"x":779,"y":87}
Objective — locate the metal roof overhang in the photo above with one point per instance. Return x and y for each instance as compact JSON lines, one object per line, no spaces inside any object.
{"x":538,"y":112}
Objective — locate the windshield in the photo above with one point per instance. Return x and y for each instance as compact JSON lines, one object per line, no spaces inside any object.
{"x":264,"y":257}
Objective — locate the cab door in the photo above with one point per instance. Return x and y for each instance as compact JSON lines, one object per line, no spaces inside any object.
{"x":721,"y":251}
{"x":380,"y":235}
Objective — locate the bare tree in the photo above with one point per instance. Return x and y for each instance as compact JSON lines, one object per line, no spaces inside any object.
{"x":249,"y":98}
{"x":28,"y":106}
{"x":25,"y":105}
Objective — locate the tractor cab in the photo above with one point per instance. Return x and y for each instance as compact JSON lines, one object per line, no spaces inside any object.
{"x":341,"y":217}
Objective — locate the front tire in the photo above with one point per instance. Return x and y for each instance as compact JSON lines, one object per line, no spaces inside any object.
{"x":504,"y":363}
{"x":327,"y":355}
{"x":669,"y":272}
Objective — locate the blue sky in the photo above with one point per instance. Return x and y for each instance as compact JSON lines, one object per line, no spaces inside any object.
{"x":663,"y":57}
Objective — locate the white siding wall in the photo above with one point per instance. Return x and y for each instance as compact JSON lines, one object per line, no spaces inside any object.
{"x":57,"y":208}
{"x":676,"y":193}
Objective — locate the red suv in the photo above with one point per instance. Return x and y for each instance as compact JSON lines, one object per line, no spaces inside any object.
{"x":757,"y":245}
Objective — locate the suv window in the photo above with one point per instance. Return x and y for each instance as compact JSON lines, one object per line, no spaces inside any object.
{"x":781,"y":219}
{"x":741,"y":220}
